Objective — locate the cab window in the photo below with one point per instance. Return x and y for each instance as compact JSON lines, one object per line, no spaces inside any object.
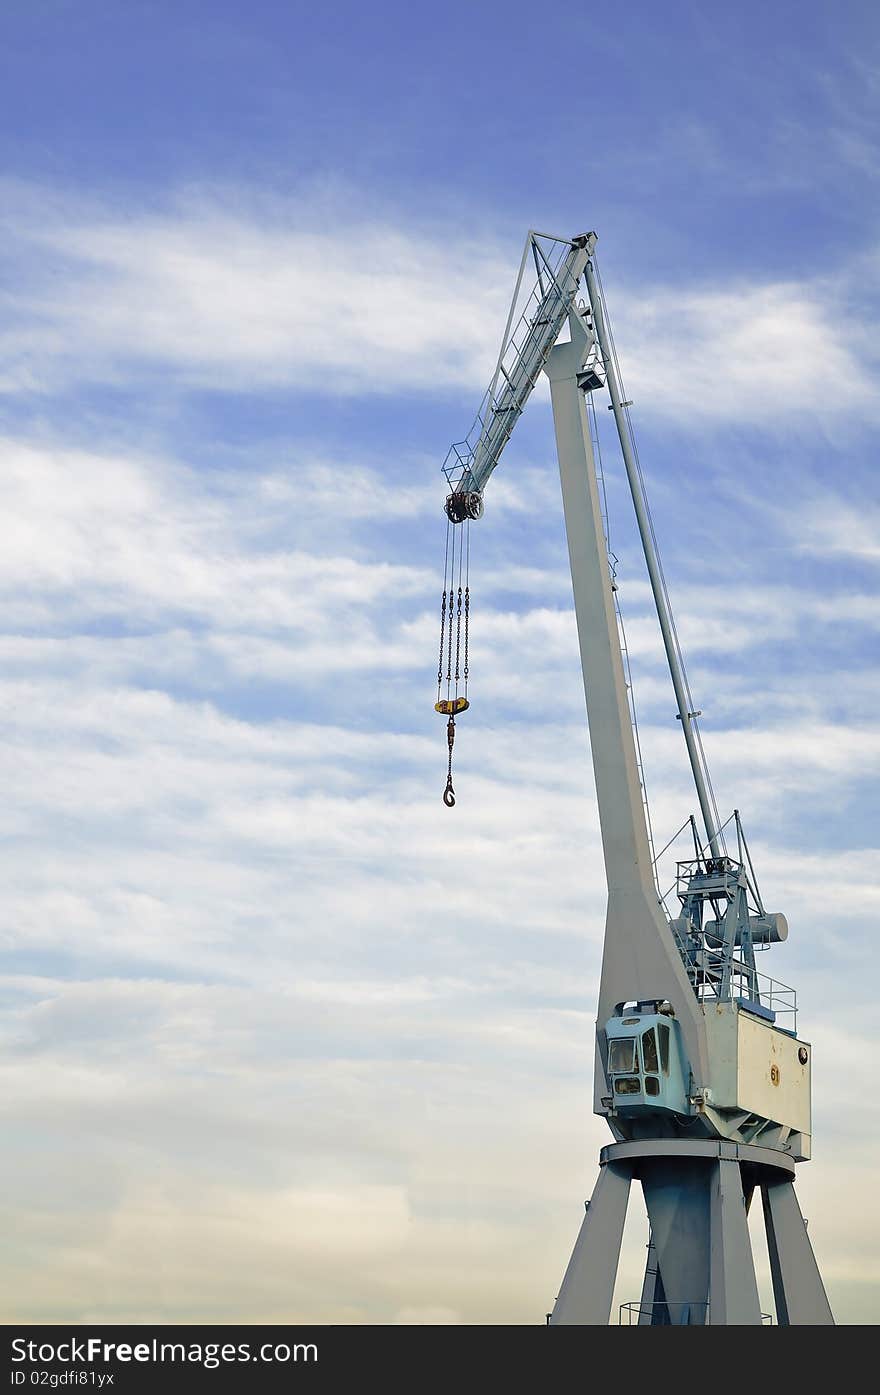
{"x":627,"y":1085}
{"x":649,"y":1050}
{"x":663,"y":1034}
{"x":622,"y":1055}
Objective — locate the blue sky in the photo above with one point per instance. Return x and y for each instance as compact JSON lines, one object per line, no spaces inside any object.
{"x":283,"y":1037}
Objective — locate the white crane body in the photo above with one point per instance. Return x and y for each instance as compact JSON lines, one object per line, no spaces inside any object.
{"x":706,"y":1096}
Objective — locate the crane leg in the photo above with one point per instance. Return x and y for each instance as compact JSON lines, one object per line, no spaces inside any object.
{"x":797,"y":1285}
{"x":588,"y":1286}
{"x":733,"y":1290}
{"x":677,"y":1198}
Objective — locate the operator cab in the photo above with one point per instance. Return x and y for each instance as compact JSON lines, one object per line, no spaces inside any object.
{"x":645,"y":1060}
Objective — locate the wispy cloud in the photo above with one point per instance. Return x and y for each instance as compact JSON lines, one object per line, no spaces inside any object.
{"x":238,"y":297}
{"x":832,"y":527}
{"x":747,"y":353}
{"x":225,"y":292}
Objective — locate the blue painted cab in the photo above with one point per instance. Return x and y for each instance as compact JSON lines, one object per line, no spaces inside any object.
{"x":646,"y":1067}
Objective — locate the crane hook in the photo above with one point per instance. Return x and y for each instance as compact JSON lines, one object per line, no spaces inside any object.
{"x":449,"y":793}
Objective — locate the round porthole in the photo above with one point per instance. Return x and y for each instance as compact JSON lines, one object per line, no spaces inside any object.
{"x":774,"y":1075}
{"x":803,"y":1055}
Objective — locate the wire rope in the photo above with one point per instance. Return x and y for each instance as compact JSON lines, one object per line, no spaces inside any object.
{"x":718,"y":830}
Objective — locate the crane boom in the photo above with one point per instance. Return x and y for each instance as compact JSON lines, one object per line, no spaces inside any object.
{"x":525,"y":348}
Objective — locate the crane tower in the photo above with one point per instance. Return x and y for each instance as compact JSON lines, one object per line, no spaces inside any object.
{"x":699,"y":1071}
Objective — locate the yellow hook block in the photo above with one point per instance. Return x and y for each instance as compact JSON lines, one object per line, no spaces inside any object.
{"x":452,"y":707}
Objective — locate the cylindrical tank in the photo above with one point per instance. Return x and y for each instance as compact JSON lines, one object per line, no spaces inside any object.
{"x":770,"y":929}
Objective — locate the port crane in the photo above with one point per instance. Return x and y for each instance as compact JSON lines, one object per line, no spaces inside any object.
{"x":699,"y":1071}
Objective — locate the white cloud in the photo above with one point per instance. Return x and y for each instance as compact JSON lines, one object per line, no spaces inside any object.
{"x":831,"y":527}
{"x":249,"y":297}
{"x":231,"y":292}
{"x":89,"y":535}
{"x":748,"y":353}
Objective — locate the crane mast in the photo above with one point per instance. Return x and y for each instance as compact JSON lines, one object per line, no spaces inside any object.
{"x":706,"y":1092}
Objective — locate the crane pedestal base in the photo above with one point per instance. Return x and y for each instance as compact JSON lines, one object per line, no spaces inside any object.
{"x":700,"y":1268}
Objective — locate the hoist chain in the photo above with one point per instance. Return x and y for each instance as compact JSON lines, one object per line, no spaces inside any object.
{"x":442,"y":636}
{"x":449,"y":647}
{"x":467,"y":606}
{"x":457,"y":642}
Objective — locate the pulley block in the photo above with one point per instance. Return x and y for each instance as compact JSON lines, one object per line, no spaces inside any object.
{"x":464,"y":504}
{"x":450,"y":707}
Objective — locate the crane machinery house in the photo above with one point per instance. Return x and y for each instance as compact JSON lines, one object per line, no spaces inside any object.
{"x":699,"y":1069}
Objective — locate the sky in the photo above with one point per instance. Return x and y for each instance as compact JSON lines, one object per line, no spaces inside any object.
{"x":283,"y":1038}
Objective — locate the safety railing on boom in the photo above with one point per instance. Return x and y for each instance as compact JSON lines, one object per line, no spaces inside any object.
{"x":528,"y":338}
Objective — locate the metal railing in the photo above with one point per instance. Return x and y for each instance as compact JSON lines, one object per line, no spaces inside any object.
{"x":671,"y":1315}
{"x":525,"y":350}
{"x":716,"y":972}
